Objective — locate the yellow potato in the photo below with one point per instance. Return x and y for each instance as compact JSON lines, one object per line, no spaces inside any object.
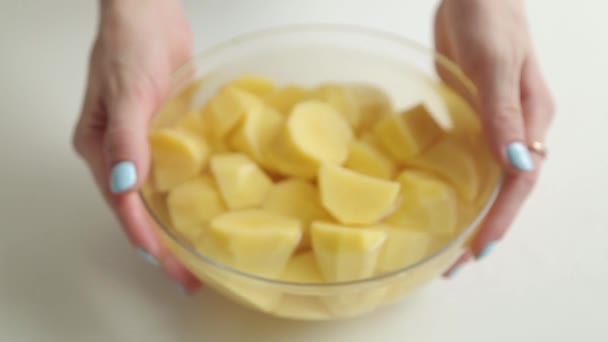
{"x":354,"y":198}
{"x":404,"y":246}
{"x":314,"y":134}
{"x":241,"y":182}
{"x":176,"y":157}
{"x":407,"y":134}
{"x":260,"y":126}
{"x":427,"y":204}
{"x":256,"y":85}
{"x":366,"y":159}
{"x":361,"y":104}
{"x":346,"y":253}
{"x":253,"y":240}
{"x":464,"y":119}
{"x":454,"y":161}
{"x":337,"y":96}
{"x":299,"y":199}
{"x":193,"y":203}
{"x":302,"y":268}
{"x":229,"y":107}
{"x":372,"y":103}
{"x":284,"y":99}
{"x":193,"y":123}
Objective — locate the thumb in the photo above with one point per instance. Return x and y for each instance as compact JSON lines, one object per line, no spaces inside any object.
{"x":498,"y":81}
{"x":126,"y":144}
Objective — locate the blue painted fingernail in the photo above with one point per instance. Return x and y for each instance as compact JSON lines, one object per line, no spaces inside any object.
{"x":487,"y":250}
{"x":148,"y":257}
{"x":124,"y":177}
{"x":454,"y":271}
{"x":520,"y":157}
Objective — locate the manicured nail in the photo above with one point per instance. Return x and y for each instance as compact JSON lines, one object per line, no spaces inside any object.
{"x":124,"y":177}
{"x":487,"y":250}
{"x":148,"y":257}
{"x":520,"y":157}
{"x":454,"y":271}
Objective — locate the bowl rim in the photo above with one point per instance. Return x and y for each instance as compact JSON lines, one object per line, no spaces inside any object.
{"x":334,"y":28}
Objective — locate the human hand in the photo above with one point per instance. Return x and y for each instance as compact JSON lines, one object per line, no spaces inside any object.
{"x":489,"y":40}
{"x":138,"y":46}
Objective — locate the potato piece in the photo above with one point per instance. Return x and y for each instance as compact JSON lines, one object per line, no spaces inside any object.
{"x":302,"y":268}
{"x":403,"y":247}
{"x":354,"y":198}
{"x":256,"y":85}
{"x":228,"y":108}
{"x":299,"y":199}
{"x":409,"y":133}
{"x":361,"y":104}
{"x":428,"y":204}
{"x":314,"y":134}
{"x":260,"y":126}
{"x":241,"y":182}
{"x":193,"y":124}
{"x":176,"y":157}
{"x":372,"y":103}
{"x":253,"y":240}
{"x":453,"y":161}
{"x":340,"y":99}
{"x":284,"y":99}
{"x":346,"y":253}
{"x":366,"y":159}
{"x":193,"y":203}
{"x":463,"y":117}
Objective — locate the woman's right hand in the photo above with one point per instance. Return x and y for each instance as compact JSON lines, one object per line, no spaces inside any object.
{"x":139,"y":45}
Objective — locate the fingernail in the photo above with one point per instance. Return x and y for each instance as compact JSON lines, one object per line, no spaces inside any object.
{"x":520,"y":157}
{"x":487,"y":250}
{"x":454,"y":271}
{"x":124,"y":177}
{"x":148,"y":257}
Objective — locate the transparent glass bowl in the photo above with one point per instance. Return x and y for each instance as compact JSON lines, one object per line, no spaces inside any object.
{"x":309,"y":55}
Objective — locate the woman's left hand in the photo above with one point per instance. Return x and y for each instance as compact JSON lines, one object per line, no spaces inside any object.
{"x":489,"y":40}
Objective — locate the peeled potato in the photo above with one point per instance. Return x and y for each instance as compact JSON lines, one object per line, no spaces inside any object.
{"x":409,"y":133}
{"x":256,"y":85}
{"x":453,"y":161}
{"x":366,"y":159}
{"x":253,"y":240}
{"x":372,"y":103}
{"x":241,"y":182}
{"x":296,"y":198}
{"x":463,"y":117}
{"x":404,"y":246}
{"x":302,"y":268}
{"x":428,"y":204}
{"x":314,"y":134}
{"x":228,"y":108}
{"x":260,"y":126}
{"x":354,"y":198}
{"x":337,"y":96}
{"x":346,"y":253}
{"x":193,"y":203}
{"x":176,"y":157}
{"x":193,"y":123}
{"x":284,"y":99}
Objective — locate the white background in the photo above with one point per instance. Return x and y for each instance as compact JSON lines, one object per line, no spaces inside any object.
{"x":67,"y":273}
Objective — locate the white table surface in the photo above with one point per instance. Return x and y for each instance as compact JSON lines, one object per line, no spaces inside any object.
{"x":67,"y":273}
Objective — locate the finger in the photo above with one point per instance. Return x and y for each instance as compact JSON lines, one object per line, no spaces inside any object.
{"x":498,"y":80}
{"x":454,"y":269}
{"x":126,"y":143}
{"x":538,"y":109}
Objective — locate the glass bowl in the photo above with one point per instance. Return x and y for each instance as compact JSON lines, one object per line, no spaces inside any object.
{"x":309,"y":55}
